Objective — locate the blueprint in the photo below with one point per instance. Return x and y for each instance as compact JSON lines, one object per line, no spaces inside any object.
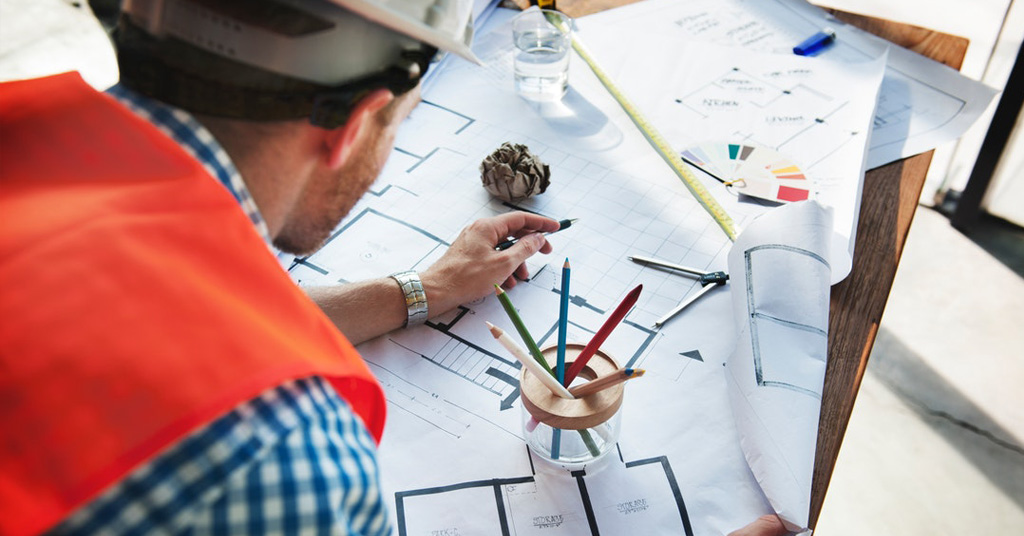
{"x":921,"y":105}
{"x":454,"y":441}
{"x":815,"y":113}
{"x":776,"y":373}
{"x":453,"y":456}
{"x":454,"y":431}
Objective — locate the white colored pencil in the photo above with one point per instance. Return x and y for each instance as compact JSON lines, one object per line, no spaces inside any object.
{"x":530,"y":363}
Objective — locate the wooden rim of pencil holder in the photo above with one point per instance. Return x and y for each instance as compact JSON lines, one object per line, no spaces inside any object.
{"x":575,"y":414}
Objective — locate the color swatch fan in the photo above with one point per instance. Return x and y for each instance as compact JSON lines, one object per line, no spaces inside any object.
{"x":750,"y":170}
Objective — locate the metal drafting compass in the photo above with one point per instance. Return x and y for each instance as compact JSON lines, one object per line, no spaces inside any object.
{"x":708,"y":281}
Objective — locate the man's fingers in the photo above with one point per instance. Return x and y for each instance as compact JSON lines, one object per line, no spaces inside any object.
{"x":519,"y":223}
{"x":546,"y":248}
{"x":526,"y":246}
{"x":522,"y":273}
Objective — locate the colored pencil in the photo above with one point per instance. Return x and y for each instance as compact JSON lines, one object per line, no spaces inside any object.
{"x":524,"y":333}
{"x":563,"y":331}
{"x":606,"y":381}
{"x":563,"y":323}
{"x":531,"y":364}
{"x":595,"y":343}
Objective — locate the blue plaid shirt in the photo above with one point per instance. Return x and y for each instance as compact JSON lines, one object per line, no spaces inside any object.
{"x":293,"y":460}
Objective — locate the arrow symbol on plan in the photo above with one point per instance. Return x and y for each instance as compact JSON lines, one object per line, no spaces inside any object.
{"x":509,"y":400}
{"x":693,"y":354}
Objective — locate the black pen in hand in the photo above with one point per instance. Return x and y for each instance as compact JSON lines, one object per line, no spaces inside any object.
{"x":562,"y":224}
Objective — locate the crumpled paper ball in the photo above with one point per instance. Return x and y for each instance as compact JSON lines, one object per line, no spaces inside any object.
{"x":513,"y":173}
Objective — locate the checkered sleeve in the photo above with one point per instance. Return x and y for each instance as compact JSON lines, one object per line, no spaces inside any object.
{"x":295,"y":460}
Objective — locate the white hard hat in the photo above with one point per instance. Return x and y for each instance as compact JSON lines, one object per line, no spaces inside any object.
{"x":328,"y":42}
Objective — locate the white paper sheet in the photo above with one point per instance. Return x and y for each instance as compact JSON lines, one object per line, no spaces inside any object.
{"x":816,"y":113}
{"x":453,"y":456}
{"x":780,"y":292}
{"x":922,"y":103}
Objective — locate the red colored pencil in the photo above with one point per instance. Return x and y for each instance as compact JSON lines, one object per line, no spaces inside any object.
{"x":591,"y":348}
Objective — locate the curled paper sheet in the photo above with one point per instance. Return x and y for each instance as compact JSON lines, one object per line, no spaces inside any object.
{"x":779,"y":269}
{"x":513,"y":173}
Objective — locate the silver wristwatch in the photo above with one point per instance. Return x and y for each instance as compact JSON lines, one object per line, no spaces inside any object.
{"x":415,"y":297}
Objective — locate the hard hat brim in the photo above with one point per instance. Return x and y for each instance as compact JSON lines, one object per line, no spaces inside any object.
{"x":452,"y":34}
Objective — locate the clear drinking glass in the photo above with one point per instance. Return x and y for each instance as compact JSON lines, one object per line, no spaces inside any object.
{"x":543,"y":39}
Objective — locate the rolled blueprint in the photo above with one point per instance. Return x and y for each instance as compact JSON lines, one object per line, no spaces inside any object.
{"x":780,"y":274}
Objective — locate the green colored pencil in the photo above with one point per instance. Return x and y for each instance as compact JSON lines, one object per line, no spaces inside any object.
{"x":535,"y":351}
{"x":524,"y":334}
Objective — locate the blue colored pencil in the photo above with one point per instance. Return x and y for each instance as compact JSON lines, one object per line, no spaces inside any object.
{"x":563,"y":328}
{"x":563,"y":323}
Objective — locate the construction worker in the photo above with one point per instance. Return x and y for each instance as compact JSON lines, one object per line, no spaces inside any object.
{"x":161,"y":373}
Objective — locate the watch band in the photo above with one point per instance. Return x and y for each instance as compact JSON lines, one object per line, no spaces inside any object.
{"x":415,"y":297}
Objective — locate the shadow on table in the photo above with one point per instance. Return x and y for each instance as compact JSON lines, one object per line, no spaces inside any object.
{"x":575,"y":117}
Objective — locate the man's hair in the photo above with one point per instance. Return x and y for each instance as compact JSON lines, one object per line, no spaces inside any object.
{"x":199,"y":81}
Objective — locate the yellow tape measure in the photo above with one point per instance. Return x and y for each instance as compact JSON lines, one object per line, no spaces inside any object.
{"x":696,"y":188}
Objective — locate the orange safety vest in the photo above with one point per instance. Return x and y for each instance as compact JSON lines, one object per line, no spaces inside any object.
{"x":137,"y":302}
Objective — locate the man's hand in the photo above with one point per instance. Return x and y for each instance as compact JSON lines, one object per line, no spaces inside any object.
{"x":769,"y":525}
{"x":467,"y":271}
{"x":471,"y":266}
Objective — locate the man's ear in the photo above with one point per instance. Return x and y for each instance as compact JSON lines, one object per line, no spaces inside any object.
{"x":340,"y":141}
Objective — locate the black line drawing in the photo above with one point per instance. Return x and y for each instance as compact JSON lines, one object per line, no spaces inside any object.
{"x":444,"y":377}
{"x":764,"y":358}
{"x":794,"y":111}
{"x":512,"y":506}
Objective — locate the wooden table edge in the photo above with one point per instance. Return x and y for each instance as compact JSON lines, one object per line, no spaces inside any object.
{"x":889,"y":200}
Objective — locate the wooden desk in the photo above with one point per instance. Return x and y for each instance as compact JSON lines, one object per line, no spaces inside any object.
{"x":890,"y":197}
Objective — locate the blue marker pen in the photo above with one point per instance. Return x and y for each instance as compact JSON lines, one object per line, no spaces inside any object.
{"x":815,"y":43}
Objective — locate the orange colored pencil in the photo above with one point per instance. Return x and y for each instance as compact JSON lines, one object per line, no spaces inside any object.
{"x":606,"y":381}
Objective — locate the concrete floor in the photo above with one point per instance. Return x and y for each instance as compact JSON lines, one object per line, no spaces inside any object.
{"x":935,"y":445}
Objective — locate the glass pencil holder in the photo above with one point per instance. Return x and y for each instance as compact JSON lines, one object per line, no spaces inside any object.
{"x":572,"y":433}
